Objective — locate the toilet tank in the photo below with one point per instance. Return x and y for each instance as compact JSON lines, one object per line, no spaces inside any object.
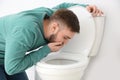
{"x":88,"y":41}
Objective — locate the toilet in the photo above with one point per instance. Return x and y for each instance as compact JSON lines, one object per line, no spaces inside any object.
{"x":71,"y":61}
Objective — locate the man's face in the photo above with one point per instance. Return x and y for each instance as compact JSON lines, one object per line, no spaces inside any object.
{"x":62,"y":35}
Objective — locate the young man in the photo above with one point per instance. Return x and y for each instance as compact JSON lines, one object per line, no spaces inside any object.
{"x":28,"y":30}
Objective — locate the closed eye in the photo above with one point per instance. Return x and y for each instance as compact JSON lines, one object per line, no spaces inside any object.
{"x":67,"y":37}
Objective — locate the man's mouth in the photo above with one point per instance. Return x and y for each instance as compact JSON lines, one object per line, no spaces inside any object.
{"x":60,"y":44}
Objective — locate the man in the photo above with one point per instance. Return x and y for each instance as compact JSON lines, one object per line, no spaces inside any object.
{"x":29,"y":30}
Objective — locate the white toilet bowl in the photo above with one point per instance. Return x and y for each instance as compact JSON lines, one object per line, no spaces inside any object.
{"x":71,"y":61}
{"x":62,"y":67}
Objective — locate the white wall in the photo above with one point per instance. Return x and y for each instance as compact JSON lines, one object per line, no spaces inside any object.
{"x":106,"y":65}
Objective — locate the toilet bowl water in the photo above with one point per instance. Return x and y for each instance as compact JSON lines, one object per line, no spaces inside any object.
{"x":61,"y":62}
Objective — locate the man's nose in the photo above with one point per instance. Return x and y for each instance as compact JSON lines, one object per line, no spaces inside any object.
{"x":65,"y":42}
{"x":62,"y":43}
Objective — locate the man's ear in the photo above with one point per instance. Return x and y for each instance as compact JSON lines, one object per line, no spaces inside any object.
{"x":55,"y":27}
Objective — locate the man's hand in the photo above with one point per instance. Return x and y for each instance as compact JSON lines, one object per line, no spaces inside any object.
{"x":55,"y":46}
{"x":94,"y":10}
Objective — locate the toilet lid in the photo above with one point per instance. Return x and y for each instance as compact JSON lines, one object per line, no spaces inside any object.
{"x":82,"y":43}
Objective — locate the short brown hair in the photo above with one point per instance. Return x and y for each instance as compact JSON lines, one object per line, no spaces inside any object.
{"x":68,"y":18}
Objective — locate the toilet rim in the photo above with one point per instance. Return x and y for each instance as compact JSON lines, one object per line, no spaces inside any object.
{"x":80,"y":62}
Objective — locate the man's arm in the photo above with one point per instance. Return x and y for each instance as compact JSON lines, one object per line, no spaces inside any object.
{"x":17,"y":44}
{"x":67,"y":5}
{"x":93,"y":9}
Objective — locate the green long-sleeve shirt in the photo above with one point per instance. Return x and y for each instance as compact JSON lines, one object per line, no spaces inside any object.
{"x":23,"y":32}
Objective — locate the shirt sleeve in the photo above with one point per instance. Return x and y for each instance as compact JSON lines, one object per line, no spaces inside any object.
{"x":17,"y":44}
{"x":67,"y":5}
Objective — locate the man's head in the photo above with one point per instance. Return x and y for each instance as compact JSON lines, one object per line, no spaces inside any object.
{"x":62,"y":26}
